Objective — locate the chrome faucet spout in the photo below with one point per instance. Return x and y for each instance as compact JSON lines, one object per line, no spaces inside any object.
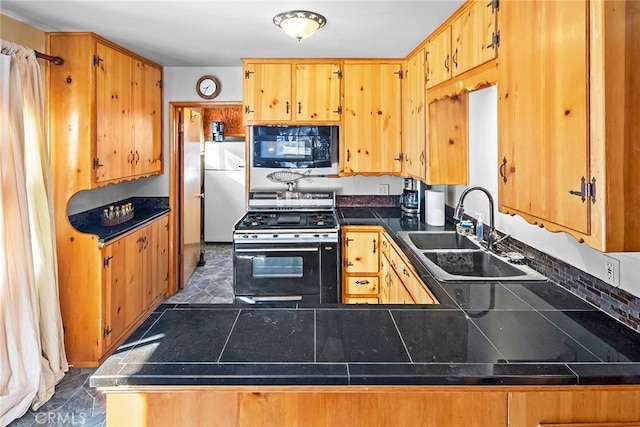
{"x":460,"y":211}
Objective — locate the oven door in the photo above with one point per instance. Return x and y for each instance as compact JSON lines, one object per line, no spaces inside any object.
{"x":272,"y":272}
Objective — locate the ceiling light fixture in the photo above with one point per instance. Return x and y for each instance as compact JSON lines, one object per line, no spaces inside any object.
{"x":299,"y":24}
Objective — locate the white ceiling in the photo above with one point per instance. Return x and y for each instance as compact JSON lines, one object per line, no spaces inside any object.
{"x":195,"y":33}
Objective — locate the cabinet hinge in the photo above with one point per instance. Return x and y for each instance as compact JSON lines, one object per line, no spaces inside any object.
{"x":495,"y":40}
{"x":106,"y":331}
{"x":247,"y":109}
{"x":587,"y":190}
{"x":399,"y":73}
{"x":338,"y":73}
{"x":338,"y":110}
{"x":247,"y":74}
{"x":400,"y":157}
{"x":96,"y":163}
{"x":105,"y":261}
{"x":494,"y":4}
{"x":96,"y":60}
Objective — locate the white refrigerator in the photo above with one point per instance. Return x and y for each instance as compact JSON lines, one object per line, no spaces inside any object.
{"x":224,"y":189}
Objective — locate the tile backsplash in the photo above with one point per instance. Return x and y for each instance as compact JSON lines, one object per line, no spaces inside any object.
{"x":367,"y":201}
{"x":616,"y":302}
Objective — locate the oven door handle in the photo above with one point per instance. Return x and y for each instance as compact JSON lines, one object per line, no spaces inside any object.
{"x":289,"y":249}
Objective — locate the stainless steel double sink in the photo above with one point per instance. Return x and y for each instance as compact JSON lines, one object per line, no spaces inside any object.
{"x":450,"y":256}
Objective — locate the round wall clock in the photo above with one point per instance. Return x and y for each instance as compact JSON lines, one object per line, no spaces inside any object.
{"x":208,"y":87}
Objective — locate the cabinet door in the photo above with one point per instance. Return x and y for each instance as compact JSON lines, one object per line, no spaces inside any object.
{"x":580,"y":408}
{"x":542,"y":111}
{"x":372,"y":122}
{"x":160,"y":259}
{"x":317,"y":92}
{"x":439,"y":58}
{"x":472,"y":36}
{"x":123,"y":286}
{"x":147,"y":115}
{"x":447,"y":146}
{"x":414,"y":116}
{"x":385,"y":277}
{"x":267,"y":92}
{"x":114,"y":121}
{"x":361,"y":251}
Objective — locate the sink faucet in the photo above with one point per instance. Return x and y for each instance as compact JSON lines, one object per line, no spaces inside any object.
{"x":460,"y":211}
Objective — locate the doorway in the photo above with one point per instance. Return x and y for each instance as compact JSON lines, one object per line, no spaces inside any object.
{"x":189,"y":129}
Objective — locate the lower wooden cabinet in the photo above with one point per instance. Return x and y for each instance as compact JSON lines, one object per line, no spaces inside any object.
{"x":424,"y":406}
{"x":374,"y":270}
{"x":107,"y":290}
{"x":135,"y":278}
{"x":360,"y":264}
{"x":580,"y":408}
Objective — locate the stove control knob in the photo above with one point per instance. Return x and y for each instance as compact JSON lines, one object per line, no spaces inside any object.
{"x":255,"y":236}
{"x":275,"y":235}
{"x":316,"y":235}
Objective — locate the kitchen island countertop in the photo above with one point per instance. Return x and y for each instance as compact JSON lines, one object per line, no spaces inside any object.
{"x":500,"y":333}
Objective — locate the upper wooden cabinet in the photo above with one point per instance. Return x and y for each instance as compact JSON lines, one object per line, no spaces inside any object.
{"x":467,"y":40}
{"x":439,"y":57}
{"x":473,"y":36}
{"x":414,"y":116}
{"x":448,"y":142}
{"x":105,"y":107}
{"x":371,"y":136}
{"x":567,"y":118}
{"x":291,"y":91}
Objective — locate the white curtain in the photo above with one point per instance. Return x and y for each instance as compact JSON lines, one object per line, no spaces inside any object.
{"x":32,"y":357}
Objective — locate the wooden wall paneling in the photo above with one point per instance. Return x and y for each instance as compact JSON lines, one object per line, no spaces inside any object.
{"x":231,"y":116}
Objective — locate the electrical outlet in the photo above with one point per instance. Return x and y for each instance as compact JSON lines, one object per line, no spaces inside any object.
{"x":383,"y":189}
{"x":612,"y":271}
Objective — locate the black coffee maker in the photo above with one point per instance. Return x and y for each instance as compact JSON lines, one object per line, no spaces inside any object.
{"x":410,"y":200}
{"x":217,"y":131}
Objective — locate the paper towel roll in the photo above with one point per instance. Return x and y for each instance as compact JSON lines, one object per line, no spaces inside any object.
{"x":435,"y":207}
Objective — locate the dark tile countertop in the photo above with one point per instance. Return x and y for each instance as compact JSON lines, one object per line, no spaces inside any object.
{"x":502,"y":333}
{"x":145,"y":210}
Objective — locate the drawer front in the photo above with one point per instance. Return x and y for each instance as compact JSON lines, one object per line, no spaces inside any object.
{"x":361,"y":300}
{"x":361,"y":286}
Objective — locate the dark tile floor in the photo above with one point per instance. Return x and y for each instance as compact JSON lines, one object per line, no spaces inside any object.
{"x":76,"y":404}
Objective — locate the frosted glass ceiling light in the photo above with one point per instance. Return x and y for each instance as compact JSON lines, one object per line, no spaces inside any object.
{"x":299,"y":24}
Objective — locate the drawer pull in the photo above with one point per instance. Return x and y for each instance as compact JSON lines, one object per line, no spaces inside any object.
{"x":362,"y":282}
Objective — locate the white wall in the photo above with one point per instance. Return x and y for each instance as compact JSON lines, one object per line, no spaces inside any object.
{"x":483,"y":171}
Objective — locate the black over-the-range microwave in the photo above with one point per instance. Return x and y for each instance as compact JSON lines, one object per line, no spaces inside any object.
{"x":294,"y":146}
